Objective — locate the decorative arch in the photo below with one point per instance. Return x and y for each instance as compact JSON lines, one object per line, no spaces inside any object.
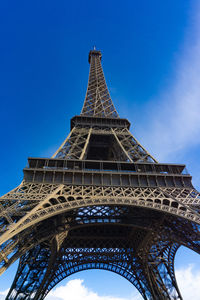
{"x":160,"y":245}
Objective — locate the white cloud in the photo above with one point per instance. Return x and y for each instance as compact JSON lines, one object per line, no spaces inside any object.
{"x":3,"y":294}
{"x":174,"y":116}
{"x":188,"y":279}
{"x":76,"y":290}
{"x":189,"y":282}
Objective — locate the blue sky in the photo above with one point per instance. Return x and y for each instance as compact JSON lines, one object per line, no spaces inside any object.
{"x":151,"y":60}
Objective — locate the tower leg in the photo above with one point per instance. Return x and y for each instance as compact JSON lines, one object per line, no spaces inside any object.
{"x":30,"y":273}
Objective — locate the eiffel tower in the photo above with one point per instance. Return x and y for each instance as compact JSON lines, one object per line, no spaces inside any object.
{"x":101,"y":202}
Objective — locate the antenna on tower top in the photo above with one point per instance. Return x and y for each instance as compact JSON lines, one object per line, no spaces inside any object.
{"x":94,"y":47}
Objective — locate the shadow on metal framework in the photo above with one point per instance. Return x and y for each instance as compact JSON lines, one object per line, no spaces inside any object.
{"x":101,"y":202}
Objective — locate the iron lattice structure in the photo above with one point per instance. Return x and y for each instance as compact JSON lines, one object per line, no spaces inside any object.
{"x":101,"y":202}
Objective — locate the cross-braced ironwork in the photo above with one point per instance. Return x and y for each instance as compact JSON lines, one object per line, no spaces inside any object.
{"x":101,"y":202}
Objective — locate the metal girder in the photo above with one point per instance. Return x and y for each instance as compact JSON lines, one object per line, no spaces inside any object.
{"x":67,"y":198}
{"x":75,"y":146}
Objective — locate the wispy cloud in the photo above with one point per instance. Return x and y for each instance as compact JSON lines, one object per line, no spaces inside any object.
{"x":174,"y":116}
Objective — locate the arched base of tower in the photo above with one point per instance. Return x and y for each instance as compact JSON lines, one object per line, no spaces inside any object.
{"x":138,"y":251}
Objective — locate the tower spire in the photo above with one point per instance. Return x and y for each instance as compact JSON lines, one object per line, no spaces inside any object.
{"x":97,"y":102}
